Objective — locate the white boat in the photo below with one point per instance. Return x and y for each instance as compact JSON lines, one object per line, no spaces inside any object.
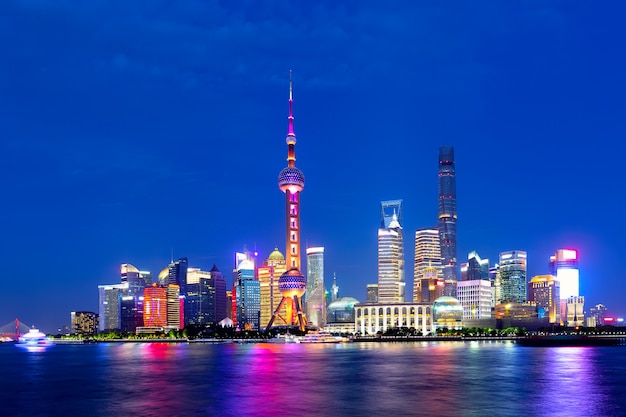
{"x":285,"y":338}
{"x":322,"y":337}
{"x":34,"y":338}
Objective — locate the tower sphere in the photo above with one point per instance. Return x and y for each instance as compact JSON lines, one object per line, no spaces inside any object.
{"x":292,"y":179}
{"x":292,"y":283}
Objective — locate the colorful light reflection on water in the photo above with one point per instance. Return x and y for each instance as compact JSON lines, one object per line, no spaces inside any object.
{"x":443,"y":379}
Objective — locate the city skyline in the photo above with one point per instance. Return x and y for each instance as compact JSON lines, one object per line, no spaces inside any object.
{"x":167,"y":131}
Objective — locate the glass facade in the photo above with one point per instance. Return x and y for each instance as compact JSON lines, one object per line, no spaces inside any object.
{"x":447,"y":218}
{"x":315,"y":300}
{"x":513,"y":286}
{"x":427,"y":255}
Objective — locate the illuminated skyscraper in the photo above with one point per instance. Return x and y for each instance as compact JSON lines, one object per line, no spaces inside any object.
{"x":513,"y":286}
{"x":315,"y":300}
{"x":131,"y":303}
{"x":274,"y":266}
{"x":84,"y":322}
{"x":155,"y":306}
{"x":543,"y":290}
{"x":175,"y":316}
{"x":430,"y":286}
{"x":564,"y":265}
{"x":427,"y":255}
{"x":292,"y":284}
{"x":391,"y":285}
{"x":109,"y":306}
{"x":447,"y":218}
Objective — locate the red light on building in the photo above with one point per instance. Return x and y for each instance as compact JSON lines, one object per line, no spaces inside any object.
{"x":155,"y":306}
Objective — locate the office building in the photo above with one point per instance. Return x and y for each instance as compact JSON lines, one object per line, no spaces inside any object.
{"x":430,"y":287}
{"x":175,"y":314}
{"x":371,"y":293}
{"x":543,"y":290}
{"x":315,"y":292}
{"x":109,"y":306}
{"x":475,"y":268}
{"x":564,"y":265}
{"x":427,"y":255}
{"x":292,"y":284}
{"x":391,"y":284}
{"x":248,"y":292}
{"x":273,"y":268}
{"x":475,"y":298}
{"x":155,"y":302}
{"x":84,"y":322}
{"x":513,"y":286}
{"x":447,"y":218}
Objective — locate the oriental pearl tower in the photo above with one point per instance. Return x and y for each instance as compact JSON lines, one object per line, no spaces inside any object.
{"x":292,"y":284}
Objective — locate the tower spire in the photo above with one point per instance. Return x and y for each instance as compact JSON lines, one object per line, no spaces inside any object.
{"x":290,"y":132}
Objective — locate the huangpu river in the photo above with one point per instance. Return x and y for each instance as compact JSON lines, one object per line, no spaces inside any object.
{"x":352,"y":379}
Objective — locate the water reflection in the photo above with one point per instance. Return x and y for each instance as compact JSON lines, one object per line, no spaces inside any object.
{"x":359,"y":379}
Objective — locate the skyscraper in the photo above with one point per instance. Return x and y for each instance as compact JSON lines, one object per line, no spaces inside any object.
{"x":274,"y":266}
{"x":564,"y":265}
{"x":109,"y":306}
{"x":543,"y":290}
{"x":315,"y":300}
{"x":292,"y":284}
{"x":513,"y":285}
{"x":391,"y":284}
{"x":248,"y":292}
{"x":447,"y":217}
{"x":427,"y":255}
{"x":155,"y":306}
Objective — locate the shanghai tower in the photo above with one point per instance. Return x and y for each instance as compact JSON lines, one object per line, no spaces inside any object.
{"x":447,"y":218}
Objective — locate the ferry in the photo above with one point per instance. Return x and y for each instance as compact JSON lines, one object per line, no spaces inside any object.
{"x":322,"y":337}
{"x":34,"y":338}
{"x":285,"y":338}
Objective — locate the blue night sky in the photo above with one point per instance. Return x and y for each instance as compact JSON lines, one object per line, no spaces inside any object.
{"x":130,"y":128}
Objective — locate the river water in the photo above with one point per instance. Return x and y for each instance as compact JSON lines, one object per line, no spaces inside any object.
{"x":352,"y":379}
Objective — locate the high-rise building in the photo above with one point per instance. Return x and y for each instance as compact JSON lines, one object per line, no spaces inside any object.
{"x":334,"y":290}
{"x":447,"y":218}
{"x":205,"y":300}
{"x":109,"y":306}
{"x":430,"y":286}
{"x":475,"y":268}
{"x":543,"y":290}
{"x":575,"y":311}
{"x":513,"y":286}
{"x":84,"y":322}
{"x":389,"y":208}
{"x":315,"y":300}
{"x":372,"y":293}
{"x":292,"y":284}
{"x":155,"y":306}
{"x":564,"y":265}
{"x":175,"y":319}
{"x":391,"y":284}
{"x":274,"y":266}
{"x":248,"y":292}
{"x":131,"y":303}
{"x":427,"y":255}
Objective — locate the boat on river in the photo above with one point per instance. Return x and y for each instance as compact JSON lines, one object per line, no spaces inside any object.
{"x":322,"y":337}
{"x":34,"y":338}
{"x":285,"y":338}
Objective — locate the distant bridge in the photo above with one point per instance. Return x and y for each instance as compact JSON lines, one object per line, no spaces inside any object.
{"x":13,"y":329}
